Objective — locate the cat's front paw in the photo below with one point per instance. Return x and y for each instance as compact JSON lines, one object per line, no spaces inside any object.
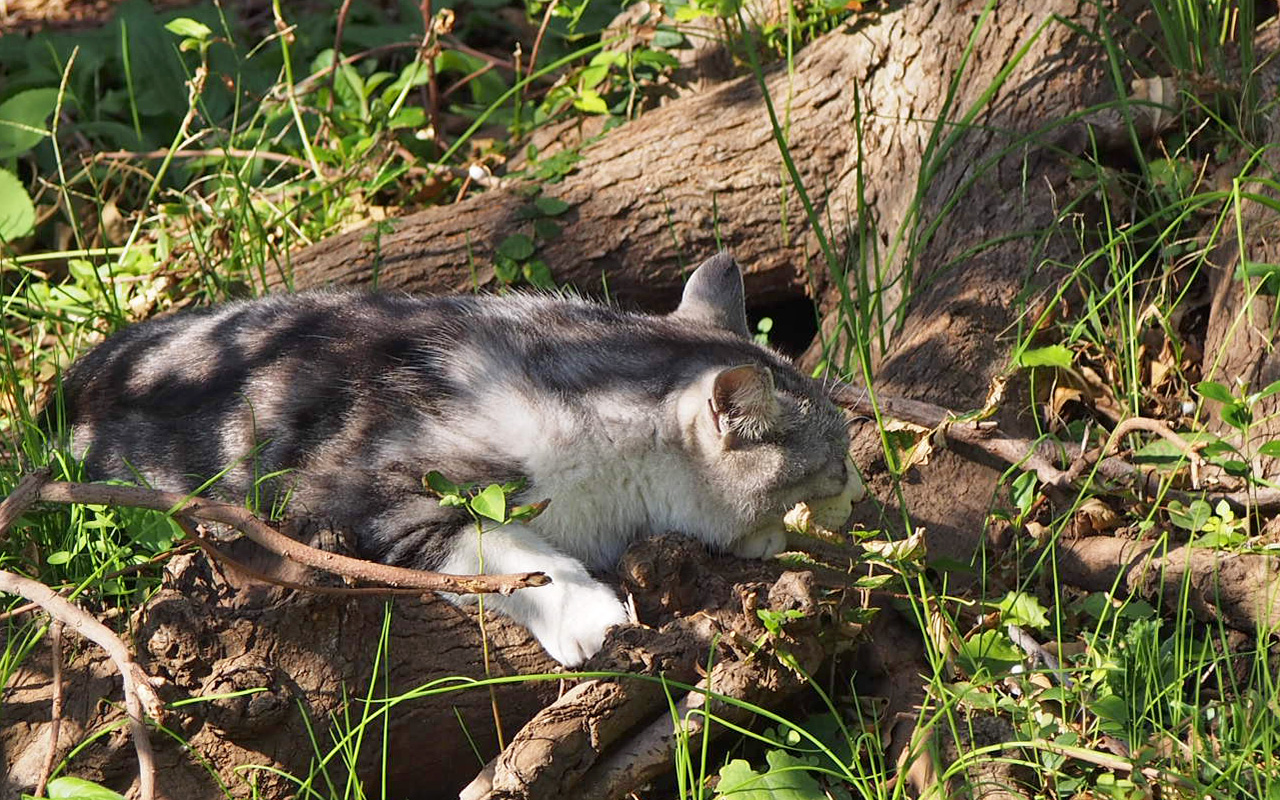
{"x":575,"y":619}
{"x":763,"y":543}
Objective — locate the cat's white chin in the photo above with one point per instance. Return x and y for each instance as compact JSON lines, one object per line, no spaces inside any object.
{"x":770,"y":537}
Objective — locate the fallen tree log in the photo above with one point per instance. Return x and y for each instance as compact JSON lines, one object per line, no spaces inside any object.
{"x":269,"y":688}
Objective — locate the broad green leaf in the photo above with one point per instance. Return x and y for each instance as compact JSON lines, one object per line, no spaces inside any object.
{"x":17,"y":213}
{"x":1270,"y":449}
{"x":409,"y":117}
{"x":22,"y":120}
{"x":990,"y":651}
{"x":189,"y":28}
{"x":516,"y":247}
{"x":1171,"y":176}
{"x":1112,"y":713}
{"x":1020,"y":608}
{"x":1214,"y":391}
{"x":547,"y":230}
{"x":786,"y":779}
{"x":551,"y":206}
{"x":1191,"y":518}
{"x":538,"y":274}
{"x":590,"y":102}
{"x":491,"y":503}
{"x":439,"y":484}
{"x":505,"y":269}
{"x":1271,"y":389}
{"x":1055,"y":355}
{"x":68,"y":788}
{"x":1237,"y":415}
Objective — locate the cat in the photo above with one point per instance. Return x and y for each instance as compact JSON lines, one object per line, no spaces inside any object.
{"x":340,"y":402}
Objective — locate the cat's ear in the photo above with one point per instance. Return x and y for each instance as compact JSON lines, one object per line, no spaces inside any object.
{"x":714,"y":295}
{"x":743,"y":404}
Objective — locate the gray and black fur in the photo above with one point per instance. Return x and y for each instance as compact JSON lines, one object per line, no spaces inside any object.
{"x":340,"y":403}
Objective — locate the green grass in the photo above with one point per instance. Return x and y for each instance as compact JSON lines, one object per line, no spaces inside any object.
{"x":233,"y":187}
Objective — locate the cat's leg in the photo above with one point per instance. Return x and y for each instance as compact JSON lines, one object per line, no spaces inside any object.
{"x":568,"y":617}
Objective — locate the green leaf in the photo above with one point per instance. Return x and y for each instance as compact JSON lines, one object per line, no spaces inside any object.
{"x":516,"y":247}
{"x":990,"y":652}
{"x":22,"y":120}
{"x":439,"y":484}
{"x":1172,"y":177}
{"x":1055,"y":355}
{"x":1214,"y":391}
{"x":538,"y":274}
{"x":1112,"y":713}
{"x":1191,"y":518}
{"x":505,"y":269}
{"x":1270,"y":449}
{"x":551,"y":206}
{"x":491,"y":503}
{"x":17,"y":213}
{"x":590,"y":102}
{"x":68,"y":788}
{"x":529,"y":511}
{"x":1237,"y":415}
{"x":409,"y":117}
{"x":786,"y":779}
{"x":1271,"y":389}
{"x":189,"y":28}
{"x":546,"y":230}
{"x":1020,"y":608}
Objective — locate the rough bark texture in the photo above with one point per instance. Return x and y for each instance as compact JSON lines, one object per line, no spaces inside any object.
{"x":310,"y":660}
{"x":1239,"y":347}
{"x":204,"y":638}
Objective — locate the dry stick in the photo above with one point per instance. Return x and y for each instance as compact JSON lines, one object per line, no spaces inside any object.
{"x":264,"y":535}
{"x":216,"y":555}
{"x":1086,"y":460}
{"x":264,"y":155}
{"x":537,"y":40}
{"x":337,"y":52}
{"x":21,"y":498}
{"x":55,"y":714}
{"x":138,"y":694}
{"x":986,"y":437}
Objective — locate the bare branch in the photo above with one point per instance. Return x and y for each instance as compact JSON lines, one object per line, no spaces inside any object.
{"x":138,"y":694}
{"x":21,"y":498}
{"x":244,"y":521}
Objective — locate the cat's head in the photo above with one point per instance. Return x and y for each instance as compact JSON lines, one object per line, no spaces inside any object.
{"x":767,"y":437}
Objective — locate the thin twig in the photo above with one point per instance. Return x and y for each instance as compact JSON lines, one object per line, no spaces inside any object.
{"x":337,"y":51}
{"x":158,"y":557}
{"x":1037,"y":457}
{"x":537,"y":41}
{"x":55,"y":714}
{"x":232,"y":152}
{"x":21,"y":498}
{"x":264,"y":535}
{"x":219,"y":556}
{"x":1127,"y":426}
{"x":138,"y":694}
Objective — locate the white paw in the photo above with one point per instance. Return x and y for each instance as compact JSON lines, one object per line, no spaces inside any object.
{"x":762,"y":543}
{"x":571,"y":616}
